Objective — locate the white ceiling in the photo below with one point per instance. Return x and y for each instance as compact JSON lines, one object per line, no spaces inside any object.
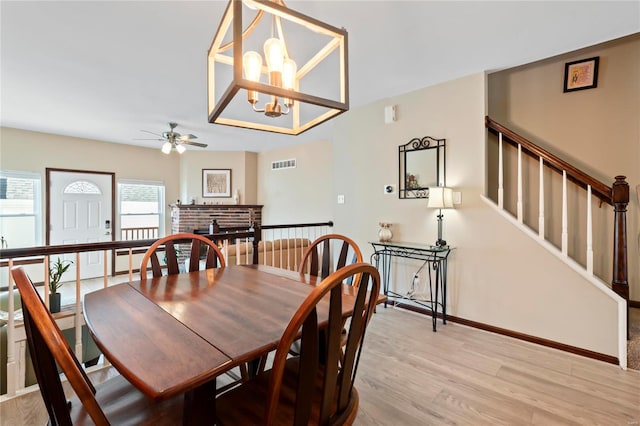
{"x":105,"y":70}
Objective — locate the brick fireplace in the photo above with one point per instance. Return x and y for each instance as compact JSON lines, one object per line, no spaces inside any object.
{"x":189,"y":217}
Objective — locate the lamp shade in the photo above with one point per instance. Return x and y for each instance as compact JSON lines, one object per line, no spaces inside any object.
{"x":440,"y":197}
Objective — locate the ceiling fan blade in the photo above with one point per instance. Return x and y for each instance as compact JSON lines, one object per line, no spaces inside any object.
{"x":187,"y":137}
{"x":201,"y":145}
{"x":155,"y":134}
{"x":138,"y":139}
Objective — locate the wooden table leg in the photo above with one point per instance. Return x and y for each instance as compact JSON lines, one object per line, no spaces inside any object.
{"x":200,"y":405}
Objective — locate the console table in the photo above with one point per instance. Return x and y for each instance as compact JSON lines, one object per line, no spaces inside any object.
{"x":434,"y":263}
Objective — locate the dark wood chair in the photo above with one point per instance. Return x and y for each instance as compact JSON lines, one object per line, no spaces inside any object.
{"x":315,"y":388}
{"x":115,"y":401}
{"x":325,"y":255}
{"x":200,"y":247}
{"x":329,"y":253}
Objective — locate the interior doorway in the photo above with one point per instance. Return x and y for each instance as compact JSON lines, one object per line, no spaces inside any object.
{"x":80,"y":209}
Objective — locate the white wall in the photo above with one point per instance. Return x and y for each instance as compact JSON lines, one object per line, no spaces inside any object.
{"x":597,"y":130}
{"x":192,"y":163}
{"x":182,"y":174}
{"x":497,"y":275}
{"x":299,"y":195}
{"x":34,"y":152}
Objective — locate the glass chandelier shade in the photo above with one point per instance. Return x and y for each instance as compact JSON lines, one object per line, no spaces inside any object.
{"x":166,"y":147}
{"x":302,"y":74}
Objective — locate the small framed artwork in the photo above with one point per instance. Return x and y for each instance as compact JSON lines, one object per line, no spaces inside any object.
{"x":582,"y":74}
{"x":216,"y":183}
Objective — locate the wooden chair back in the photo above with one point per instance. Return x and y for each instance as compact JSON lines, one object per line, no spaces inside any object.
{"x":329,"y":253}
{"x":198,"y":245}
{"x":48,"y":347}
{"x":321,"y":349}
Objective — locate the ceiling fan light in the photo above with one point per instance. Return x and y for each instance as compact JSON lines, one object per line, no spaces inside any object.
{"x":180,"y":149}
{"x":166,"y":147}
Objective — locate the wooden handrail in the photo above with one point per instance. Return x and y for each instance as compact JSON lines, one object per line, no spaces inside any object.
{"x":616,"y":196}
{"x":6,"y":254}
{"x":298,"y":225}
{"x":599,"y":189}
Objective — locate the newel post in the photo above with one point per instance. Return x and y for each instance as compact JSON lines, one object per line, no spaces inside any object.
{"x":620,"y":198}
{"x":257,"y":234}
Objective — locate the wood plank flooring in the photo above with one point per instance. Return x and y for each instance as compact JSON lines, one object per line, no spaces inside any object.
{"x":409,"y":375}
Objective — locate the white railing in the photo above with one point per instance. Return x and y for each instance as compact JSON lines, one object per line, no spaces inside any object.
{"x":572,"y":236}
{"x":573,"y":241}
{"x":280,"y":246}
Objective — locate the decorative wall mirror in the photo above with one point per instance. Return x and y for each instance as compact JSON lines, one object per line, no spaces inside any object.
{"x":421,"y":165}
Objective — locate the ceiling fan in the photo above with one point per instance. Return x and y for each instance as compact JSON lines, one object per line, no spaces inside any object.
{"x":174,"y":140}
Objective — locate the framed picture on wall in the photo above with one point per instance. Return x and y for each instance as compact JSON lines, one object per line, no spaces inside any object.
{"x":216,"y":183}
{"x":582,"y":74}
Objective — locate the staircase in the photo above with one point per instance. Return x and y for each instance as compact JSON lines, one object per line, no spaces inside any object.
{"x":579,"y":232}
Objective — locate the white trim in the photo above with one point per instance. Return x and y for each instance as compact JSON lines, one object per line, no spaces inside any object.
{"x":162,"y":212}
{"x":37,"y":199}
{"x":592,"y":279}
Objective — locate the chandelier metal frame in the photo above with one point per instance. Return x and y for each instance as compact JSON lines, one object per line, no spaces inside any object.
{"x":231,"y":26}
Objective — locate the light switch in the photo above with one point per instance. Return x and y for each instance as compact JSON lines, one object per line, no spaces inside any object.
{"x":457,"y":197}
{"x":340,"y":199}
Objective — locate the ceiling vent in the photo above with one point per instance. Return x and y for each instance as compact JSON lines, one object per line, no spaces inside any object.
{"x":283,"y":164}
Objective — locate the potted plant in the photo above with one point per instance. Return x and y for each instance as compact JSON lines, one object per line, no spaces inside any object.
{"x":55,"y":275}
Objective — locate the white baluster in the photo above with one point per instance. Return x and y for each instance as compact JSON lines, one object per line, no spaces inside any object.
{"x":22,"y":364}
{"x":78,"y":317}
{"x":131,"y":264}
{"x":105,"y":272}
{"x":500,"y":173}
{"x":46,"y":280}
{"x":519,"y":204}
{"x":589,"y":233}
{"x":12,"y":367}
{"x":565,"y":232}
{"x":541,"y":201}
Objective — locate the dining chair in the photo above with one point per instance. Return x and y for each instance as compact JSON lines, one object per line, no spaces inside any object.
{"x":325,"y":255}
{"x":328,"y":254}
{"x":115,"y":401}
{"x":200,"y":247}
{"x":314,"y":388}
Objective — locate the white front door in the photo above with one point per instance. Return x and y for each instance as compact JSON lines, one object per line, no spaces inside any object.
{"x":80,"y":207}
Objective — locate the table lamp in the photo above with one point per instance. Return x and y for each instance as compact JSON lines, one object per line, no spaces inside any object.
{"x":440,"y":198}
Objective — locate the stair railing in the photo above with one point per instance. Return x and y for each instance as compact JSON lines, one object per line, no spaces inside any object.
{"x":616,"y":195}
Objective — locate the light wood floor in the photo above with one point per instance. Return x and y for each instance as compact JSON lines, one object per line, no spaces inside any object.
{"x":409,"y":375}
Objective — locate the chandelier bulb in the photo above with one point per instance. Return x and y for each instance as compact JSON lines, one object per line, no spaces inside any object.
{"x":289,"y":70}
{"x":252,"y":68}
{"x":274,"y":54}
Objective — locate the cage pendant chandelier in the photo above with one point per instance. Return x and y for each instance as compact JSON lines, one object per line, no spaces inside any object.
{"x":302,"y":81}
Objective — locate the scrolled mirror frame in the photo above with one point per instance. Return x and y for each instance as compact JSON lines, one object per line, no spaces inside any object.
{"x":416,"y":145}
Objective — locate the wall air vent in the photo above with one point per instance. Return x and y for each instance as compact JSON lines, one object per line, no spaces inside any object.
{"x":283,"y":164}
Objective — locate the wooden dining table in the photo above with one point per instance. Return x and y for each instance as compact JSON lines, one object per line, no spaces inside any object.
{"x":175,"y":334}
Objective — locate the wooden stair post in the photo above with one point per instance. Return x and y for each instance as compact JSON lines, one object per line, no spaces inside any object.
{"x":620,"y":199}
